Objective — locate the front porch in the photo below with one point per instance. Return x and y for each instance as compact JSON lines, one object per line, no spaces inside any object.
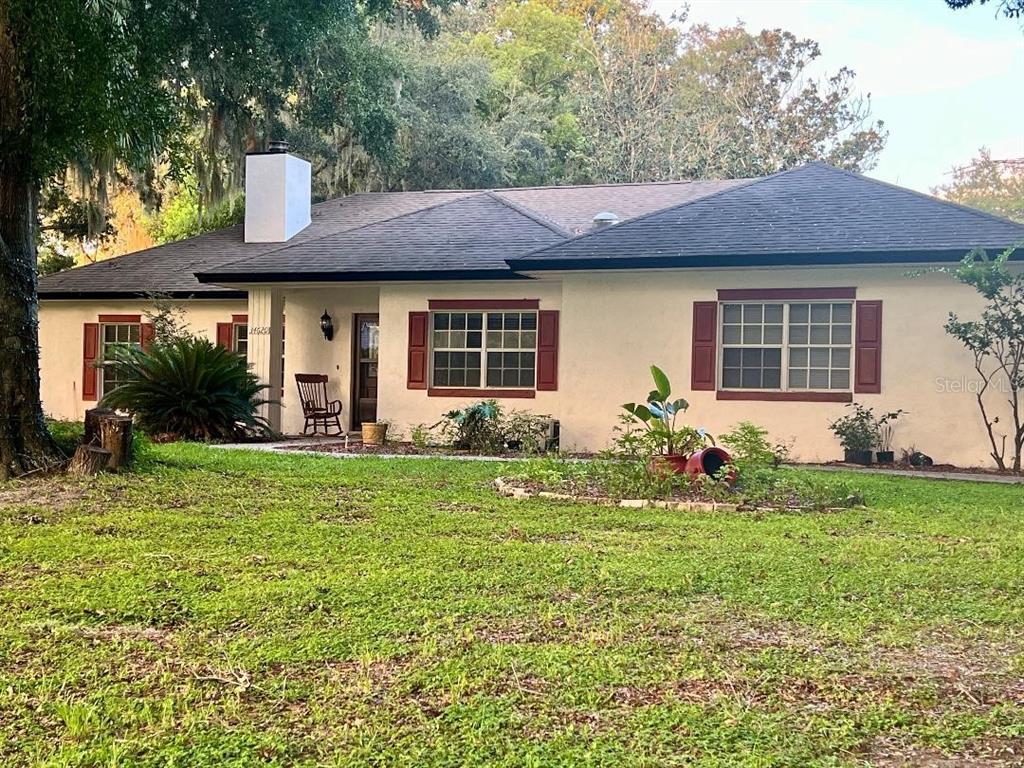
{"x":380,"y":367}
{"x":285,"y":337}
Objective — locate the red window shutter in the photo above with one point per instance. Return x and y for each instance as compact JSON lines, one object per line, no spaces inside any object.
{"x":147,"y":333}
{"x":868,"y":353}
{"x":90,"y":351}
{"x":225,"y":335}
{"x":705,"y":352}
{"x":419,"y":323}
{"x":547,"y":350}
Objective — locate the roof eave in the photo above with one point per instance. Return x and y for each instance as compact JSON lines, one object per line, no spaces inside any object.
{"x":237,"y":278}
{"x":817,"y":258}
{"x":204,"y":294}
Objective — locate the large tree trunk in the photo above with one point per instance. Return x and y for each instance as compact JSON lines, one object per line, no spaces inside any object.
{"x":25,"y":444}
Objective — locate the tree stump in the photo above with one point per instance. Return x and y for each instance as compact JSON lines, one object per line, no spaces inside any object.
{"x":93,"y":417}
{"x":116,"y":437}
{"x":88,"y":460}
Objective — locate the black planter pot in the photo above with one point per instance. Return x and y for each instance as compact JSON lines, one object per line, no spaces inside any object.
{"x":885,"y":457}
{"x":857,"y":457}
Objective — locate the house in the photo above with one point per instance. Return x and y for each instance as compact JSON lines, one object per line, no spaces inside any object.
{"x":775,"y":299}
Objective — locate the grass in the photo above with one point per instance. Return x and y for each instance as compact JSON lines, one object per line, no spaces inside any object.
{"x":232,"y":608}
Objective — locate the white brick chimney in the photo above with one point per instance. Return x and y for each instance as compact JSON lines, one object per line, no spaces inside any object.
{"x":277,"y":195}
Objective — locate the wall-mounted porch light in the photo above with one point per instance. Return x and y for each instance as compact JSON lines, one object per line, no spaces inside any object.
{"x":327,"y":326}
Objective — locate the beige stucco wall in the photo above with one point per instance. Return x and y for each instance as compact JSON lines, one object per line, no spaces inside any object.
{"x":60,"y":343}
{"x":405,"y":407}
{"x":615,"y":326}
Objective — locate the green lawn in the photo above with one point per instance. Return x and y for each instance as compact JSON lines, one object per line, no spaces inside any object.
{"x":229,"y":608}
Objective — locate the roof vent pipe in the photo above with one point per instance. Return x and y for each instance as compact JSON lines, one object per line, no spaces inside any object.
{"x":605,"y":219}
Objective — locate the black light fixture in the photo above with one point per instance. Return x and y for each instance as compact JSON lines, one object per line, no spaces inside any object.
{"x":327,"y":325}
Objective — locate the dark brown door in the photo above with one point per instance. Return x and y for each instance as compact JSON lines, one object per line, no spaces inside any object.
{"x":366,"y":345}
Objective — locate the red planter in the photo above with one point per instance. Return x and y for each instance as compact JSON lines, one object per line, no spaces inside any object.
{"x":676,"y":462}
{"x":710,"y":461}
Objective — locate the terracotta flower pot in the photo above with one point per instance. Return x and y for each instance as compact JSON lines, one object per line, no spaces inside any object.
{"x":674,"y":462}
{"x":711,"y":461}
{"x":374,"y":434}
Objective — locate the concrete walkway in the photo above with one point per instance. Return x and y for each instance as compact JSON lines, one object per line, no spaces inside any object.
{"x":306,"y":446}
{"x":298,"y":447}
{"x":924,"y":474}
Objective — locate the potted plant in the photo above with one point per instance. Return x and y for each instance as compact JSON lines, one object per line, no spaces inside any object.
{"x":658,"y":415}
{"x":857,"y":433}
{"x":886,"y":427}
{"x":375,"y":432}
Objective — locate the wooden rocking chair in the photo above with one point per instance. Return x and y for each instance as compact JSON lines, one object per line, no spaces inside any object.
{"x":316,"y":408}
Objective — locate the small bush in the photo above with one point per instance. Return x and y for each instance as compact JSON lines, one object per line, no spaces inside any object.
{"x":476,"y":428}
{"x":525,"y":432}
{"x":751,"y":447}
{"x":188,"y":388}
{"x":421,"y":436}
{"x":484,"y":428}
{"x":857,"y":431}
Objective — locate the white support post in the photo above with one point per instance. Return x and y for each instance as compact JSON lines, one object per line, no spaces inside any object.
{"x":266,"y":313}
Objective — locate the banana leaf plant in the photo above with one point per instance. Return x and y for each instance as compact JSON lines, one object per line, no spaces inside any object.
{"x":659,"y":416}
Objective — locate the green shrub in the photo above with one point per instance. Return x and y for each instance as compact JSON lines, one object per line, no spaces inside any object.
{"x":857,"y":431}
{"x":475,"y":428}
{"x":750,"y":446}
{"x":420,"y":435}
{"x":525,"y":432}
{"x":484,"y":428}
{"x":189,"y":388}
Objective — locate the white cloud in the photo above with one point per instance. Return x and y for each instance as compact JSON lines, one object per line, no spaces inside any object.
{"x":945,"y":82}
{"x":894,"y":49}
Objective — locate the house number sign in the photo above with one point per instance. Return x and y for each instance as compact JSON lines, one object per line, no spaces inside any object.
{"x":260,"y":330}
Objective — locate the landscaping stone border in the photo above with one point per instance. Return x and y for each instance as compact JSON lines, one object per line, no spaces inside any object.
{"x":520,"y":493}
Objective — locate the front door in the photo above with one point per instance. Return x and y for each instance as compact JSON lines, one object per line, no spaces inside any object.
{"x":365,"y":346}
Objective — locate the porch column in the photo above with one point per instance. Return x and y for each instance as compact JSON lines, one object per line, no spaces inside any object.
{"x":266,"y":311}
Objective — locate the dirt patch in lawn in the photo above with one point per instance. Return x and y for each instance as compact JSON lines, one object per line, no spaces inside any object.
{"x":45,"y":495}
{"x":118,"y":632}
{"x":988,"y":753}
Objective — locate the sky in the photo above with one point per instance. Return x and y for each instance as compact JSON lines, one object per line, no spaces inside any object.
{"x":944,"y":82}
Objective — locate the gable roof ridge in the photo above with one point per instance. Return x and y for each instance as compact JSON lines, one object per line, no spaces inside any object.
{"x":747,"y":183}
{"x":930,"y":198}
{"x":286,"y":245}
{"x":530,"y":214}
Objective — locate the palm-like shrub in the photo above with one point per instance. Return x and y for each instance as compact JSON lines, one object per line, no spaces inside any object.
{"x":188,"y":388}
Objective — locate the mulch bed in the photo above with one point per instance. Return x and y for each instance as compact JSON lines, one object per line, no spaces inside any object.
{"x":408,"y":449}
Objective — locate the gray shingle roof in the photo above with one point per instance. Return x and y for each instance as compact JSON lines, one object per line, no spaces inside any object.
{"x":171,"y":268}
{"x":574,"y":207}
{"x":470,"y":235}
{"x":812,"y":214}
